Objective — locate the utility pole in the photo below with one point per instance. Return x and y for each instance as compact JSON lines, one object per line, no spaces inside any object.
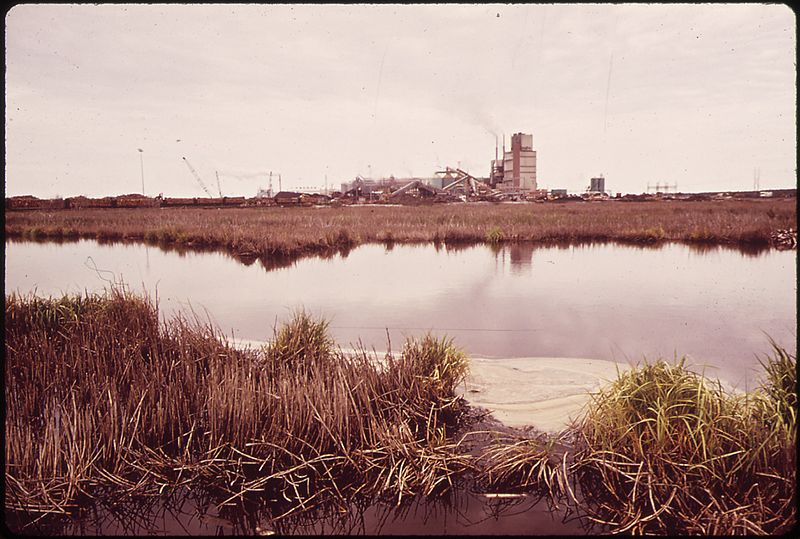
{"x":279,"y":183}
{"x":141,"y":162}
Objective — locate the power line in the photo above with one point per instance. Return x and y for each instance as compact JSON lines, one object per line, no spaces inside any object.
{"x":384,"y":328}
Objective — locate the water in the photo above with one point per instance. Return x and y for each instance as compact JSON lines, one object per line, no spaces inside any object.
{"x":189,"y":513}
{"x":717,"y":306}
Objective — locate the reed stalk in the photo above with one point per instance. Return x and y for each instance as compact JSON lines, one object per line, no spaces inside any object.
{"x":100,"y":394}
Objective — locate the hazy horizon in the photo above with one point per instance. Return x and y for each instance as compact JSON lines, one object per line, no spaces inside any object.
{"x":702,"y":96}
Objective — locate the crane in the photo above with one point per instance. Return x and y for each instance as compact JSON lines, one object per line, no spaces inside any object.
{"x":218,"y":187}
{"x":197,"y":177}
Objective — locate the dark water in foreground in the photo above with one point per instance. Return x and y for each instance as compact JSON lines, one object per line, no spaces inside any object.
{"x":184,"y":513}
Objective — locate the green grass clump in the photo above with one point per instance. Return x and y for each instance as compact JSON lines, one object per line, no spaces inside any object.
{"x":495,"y":235}
{"x":661,"y":450}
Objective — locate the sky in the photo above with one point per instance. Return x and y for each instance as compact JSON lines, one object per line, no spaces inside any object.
{"x":697,"y":96}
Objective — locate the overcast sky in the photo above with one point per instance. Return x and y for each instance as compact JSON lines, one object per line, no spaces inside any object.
{"x":695,"y":95}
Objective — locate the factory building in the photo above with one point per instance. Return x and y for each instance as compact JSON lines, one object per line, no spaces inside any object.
{"x":597,"y":185}
{"x":367,"y":185}
{"x":516,"y":171}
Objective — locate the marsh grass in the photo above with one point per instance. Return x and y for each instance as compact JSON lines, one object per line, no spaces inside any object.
{"x":520,"y":464}
{"x":274,"y":232}
{"x":100,"y":394}
{"x":663,"y":450}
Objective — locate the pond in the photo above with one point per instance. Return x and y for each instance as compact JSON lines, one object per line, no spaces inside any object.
{"x":716,"y":306}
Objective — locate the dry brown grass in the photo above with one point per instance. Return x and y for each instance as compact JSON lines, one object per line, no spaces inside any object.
{"x":275,"y":232}
{"x":99,"y":394}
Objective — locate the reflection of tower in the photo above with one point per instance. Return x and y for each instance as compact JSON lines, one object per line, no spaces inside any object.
{"x":521,"y":255}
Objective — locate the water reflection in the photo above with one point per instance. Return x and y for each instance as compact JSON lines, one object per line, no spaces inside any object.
{"x":196,"y":512}
{"x":520,"y":253}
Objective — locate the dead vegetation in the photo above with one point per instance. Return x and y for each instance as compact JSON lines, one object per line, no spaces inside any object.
{"x":100,"y":395}
{"x":276,"y":233}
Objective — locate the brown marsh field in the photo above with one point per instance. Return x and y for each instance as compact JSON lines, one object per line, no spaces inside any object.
{"x":280,"y":232}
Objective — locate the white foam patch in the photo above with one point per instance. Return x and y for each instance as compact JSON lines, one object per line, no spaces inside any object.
{"x":544,"y":392}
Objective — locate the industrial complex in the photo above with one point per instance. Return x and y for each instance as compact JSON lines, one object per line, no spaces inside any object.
{"x":511,"y":177}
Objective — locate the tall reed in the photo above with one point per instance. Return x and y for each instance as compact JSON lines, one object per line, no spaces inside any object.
{"x":100,"y":394}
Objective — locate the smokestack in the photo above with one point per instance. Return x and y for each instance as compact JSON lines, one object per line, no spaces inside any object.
{"x":495,"y":147}
{"x":504,"y":145}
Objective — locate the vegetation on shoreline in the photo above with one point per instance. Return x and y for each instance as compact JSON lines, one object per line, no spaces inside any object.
{"x":100,"y":395}
{"x":270,"y":233}
{"x":663,"y":451}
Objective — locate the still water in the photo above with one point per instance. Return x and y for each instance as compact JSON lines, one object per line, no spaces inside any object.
{"x":190,"y":513}
{"x":717,"y":306}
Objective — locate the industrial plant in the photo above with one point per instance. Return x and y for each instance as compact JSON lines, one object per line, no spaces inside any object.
{"x":512,"y":178}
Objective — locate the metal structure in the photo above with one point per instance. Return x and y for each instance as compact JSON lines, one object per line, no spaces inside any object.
{"x":468,"y":184}
{"x":261,"y":192}
{"x":665,"y":186}
{"x":219,"y":189}
{"x":197,"y":177}
{"x":471,"y":187}
{"x":141,"y":162}
{"x":419,"y":185}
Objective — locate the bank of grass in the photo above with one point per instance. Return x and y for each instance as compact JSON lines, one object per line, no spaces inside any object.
{"x":289,"y":232}
{"x":100,"y":394}
{"x":663,"y":451}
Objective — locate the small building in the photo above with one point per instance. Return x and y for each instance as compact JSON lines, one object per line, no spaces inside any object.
{"x":288,"y":198}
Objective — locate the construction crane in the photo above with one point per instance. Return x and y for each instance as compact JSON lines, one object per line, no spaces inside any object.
{"x":197,"y":177}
